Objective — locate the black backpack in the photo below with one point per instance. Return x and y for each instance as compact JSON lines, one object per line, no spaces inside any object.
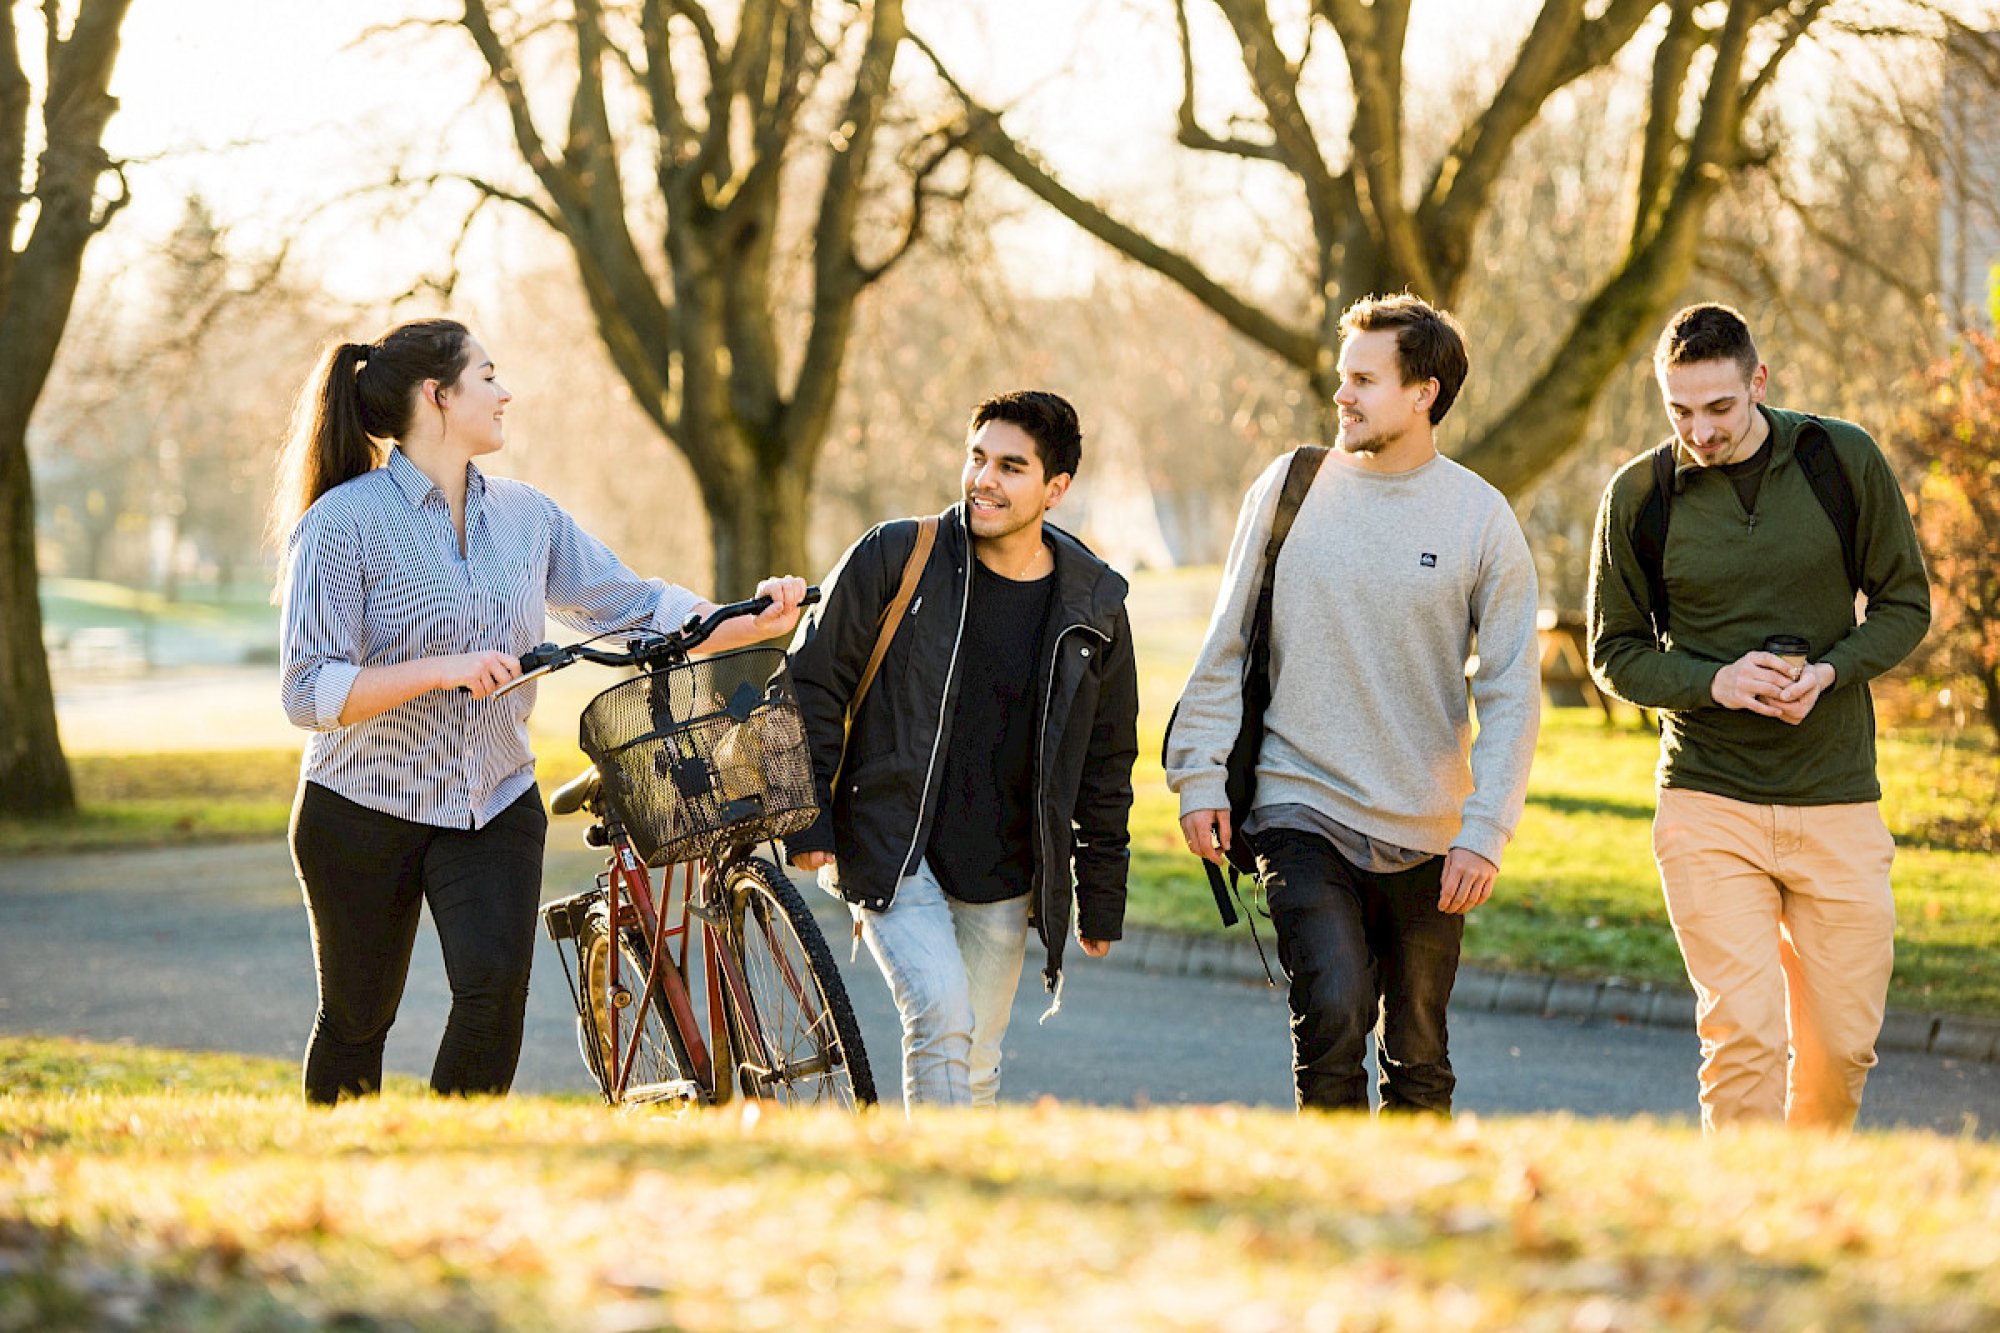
{"x":1241,"y":780}
{"x":1824,"y":473}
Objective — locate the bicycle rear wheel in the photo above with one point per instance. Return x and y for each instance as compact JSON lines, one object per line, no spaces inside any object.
{"x":800,"y":1003}
{"x":661,"y":1070}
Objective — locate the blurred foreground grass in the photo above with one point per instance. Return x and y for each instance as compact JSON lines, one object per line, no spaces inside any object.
{"x":123,"y":1203}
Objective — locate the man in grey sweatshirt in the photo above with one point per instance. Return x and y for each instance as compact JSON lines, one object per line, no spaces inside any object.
{"x":1379,"y":819}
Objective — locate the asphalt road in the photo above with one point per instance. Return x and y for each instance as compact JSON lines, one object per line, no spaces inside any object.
{"x":208,"y":949}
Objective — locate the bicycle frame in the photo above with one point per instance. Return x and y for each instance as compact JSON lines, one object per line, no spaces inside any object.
{"x":629,"y":882}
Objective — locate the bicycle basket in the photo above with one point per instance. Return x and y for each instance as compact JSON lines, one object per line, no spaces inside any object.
{"x":703,"y":755}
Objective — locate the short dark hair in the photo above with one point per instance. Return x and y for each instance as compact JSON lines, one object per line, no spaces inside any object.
{"x":1048,"y":420}
{"x":1429,"y":343}
{"x":1707,"y":332}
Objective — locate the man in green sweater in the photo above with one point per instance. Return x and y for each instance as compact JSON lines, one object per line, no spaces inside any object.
{"x":1772,"y":851}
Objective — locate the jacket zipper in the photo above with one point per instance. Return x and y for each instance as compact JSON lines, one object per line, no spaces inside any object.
{"x":1041,"y":748}
{"x":944,"y":704}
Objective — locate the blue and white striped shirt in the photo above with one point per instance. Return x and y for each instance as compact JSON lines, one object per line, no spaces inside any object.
{"x":375,"y":578}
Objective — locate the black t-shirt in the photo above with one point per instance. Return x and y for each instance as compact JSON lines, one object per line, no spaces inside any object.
{"x":982,"y":844}
{"x":1747,"y":475}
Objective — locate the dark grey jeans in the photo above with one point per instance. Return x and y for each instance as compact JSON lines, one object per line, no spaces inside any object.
{"x":1366,"y":952}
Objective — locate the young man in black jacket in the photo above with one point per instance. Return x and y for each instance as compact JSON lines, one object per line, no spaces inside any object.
{"x":987,"y":777}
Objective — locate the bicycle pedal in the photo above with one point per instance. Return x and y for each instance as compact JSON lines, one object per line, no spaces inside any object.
{"x":670,"y":1090}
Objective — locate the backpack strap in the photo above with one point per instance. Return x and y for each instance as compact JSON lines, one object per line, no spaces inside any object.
{"x":1649,"y":538}
{"x":1834,"y":492}
{"x":1824,"y":473}
{"x":1299,"y":474}
{"x":892,"y":614}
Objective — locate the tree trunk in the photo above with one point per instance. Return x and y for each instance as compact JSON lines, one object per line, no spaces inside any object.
{"x":757,"y":531}
{"x":37,"y":285}
{"x":34,"y":776}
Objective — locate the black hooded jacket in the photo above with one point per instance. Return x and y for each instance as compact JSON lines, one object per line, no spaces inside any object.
{"x":879,"y":821}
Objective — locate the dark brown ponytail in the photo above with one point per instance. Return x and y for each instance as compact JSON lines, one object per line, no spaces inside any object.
{"x":358,"y":395}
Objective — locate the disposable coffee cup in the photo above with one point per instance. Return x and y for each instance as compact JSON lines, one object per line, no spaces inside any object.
{"x":1796,"y":651}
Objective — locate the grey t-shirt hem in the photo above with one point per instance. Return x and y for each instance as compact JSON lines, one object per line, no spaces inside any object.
{"x":1359,"y":850}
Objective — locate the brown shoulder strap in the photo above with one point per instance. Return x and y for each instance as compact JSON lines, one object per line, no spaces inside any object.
{"x":892,"y":615}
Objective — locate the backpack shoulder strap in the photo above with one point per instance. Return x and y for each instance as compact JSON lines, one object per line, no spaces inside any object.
{"x":1649,"y":537}
{"x":1299,"y":474}
{"x":892,"y":614}
{"x":1834,"y":492}
{"x":1298,"y":480}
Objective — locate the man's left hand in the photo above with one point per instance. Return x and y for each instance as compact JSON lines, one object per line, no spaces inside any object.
{"x":1468,"y":881}
{"x":1797,"y":699}
{"x":1095,"y":948}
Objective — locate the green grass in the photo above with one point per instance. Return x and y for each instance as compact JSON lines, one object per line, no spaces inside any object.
{"x":213,"y":1204}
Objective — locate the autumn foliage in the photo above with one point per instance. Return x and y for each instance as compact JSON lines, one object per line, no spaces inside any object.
{"x":1952,"y":435}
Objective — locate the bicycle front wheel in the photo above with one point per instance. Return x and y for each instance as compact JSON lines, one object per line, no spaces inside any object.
{"x":799,"y":1003}
{"x":659,"y":1064}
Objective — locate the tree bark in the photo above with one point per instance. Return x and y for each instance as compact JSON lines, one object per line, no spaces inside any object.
{"x":37,"y":286}
{"x":756,"y":531}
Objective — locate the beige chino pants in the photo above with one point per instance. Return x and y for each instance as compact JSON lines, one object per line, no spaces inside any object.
{"x":1787,"y":926}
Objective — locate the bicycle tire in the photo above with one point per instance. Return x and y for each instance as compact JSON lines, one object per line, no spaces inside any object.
{"x":802,"y":1006}
{"x":661,"y":1060}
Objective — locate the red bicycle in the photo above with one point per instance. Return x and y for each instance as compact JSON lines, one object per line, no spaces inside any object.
{"x":719,"y":984}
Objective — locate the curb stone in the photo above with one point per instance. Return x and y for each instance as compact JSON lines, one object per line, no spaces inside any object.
{"x":1610,"y":1000}
{"x":1485,"y":990}
{"x":1966,"y":1038}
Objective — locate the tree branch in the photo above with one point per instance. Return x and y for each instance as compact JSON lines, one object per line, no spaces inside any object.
{"x":1671,"y":62}
{"x":985,"y":135}
{"x":837,"y":274}
{"x":1276,"y":81}
{"x":1535,"y":429}
{"x":1372,"y":37}
{"x":1561,"y":47}
{"x":1191,"y":133}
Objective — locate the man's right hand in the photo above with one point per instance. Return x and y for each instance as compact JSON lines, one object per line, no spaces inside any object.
{"x":1752,"y":683}
{"x":812,"y":860}
{"x":1207,"y":833}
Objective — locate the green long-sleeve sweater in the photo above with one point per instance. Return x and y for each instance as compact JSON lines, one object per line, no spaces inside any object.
{"x":1734,"y":578}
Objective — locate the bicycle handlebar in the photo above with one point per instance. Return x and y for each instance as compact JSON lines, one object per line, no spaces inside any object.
{"x":643,"y":650}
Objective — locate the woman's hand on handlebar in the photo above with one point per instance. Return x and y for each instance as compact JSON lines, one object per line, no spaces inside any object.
{"x":478,"y":674}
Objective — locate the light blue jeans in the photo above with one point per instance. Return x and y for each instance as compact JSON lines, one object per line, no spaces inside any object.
{"x":953,"y":968}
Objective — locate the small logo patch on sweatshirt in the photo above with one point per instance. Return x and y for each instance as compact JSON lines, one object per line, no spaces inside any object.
{"x":1429,"y":560}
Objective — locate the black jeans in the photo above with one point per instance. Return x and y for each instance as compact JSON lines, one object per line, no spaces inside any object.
{"x":366,"y":877}
{"x":1365,"y":952}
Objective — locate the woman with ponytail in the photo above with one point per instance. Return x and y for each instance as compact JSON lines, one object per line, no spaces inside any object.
{"x":411,"y":583}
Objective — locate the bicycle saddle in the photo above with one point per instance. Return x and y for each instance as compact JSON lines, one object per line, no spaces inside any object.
{"x":577,"y":793}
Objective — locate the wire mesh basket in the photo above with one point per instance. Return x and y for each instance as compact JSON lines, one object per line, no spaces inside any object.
{"x":703,"y":755}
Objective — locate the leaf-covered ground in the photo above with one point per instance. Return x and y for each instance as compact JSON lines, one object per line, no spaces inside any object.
{"x":200,"y":1208}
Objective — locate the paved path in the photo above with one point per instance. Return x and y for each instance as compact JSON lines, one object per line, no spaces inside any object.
{"x":208,"y":949}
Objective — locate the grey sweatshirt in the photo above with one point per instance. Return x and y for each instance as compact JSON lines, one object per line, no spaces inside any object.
{"x":1381,"y":587}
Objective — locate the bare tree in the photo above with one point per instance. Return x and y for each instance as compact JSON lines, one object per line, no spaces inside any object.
{"x":688,"y":142}
{"x":1381,"y":221}
{"x":47,"y":218}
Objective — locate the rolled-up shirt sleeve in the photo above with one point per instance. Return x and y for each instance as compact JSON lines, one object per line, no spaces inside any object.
{"x":591,"y":589}
{"x":320,"y":639}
